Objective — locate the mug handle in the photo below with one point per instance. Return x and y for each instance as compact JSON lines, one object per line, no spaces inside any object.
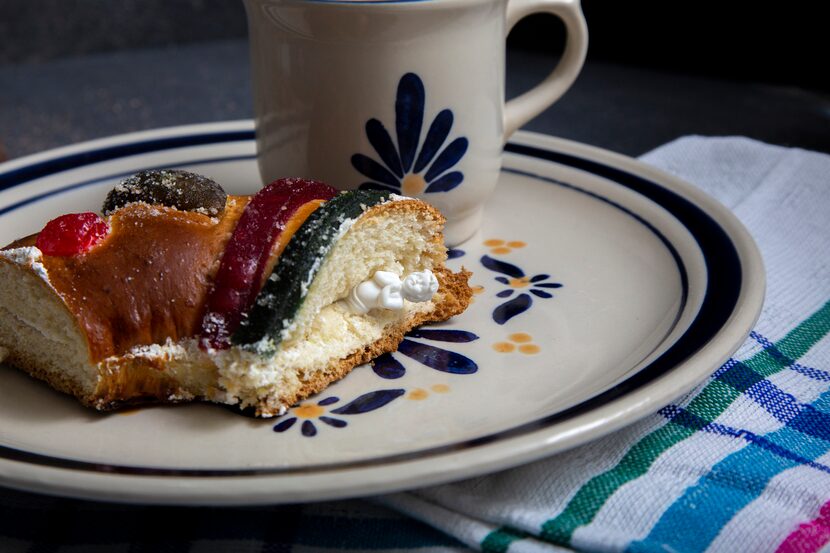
{"x":522,"y":109}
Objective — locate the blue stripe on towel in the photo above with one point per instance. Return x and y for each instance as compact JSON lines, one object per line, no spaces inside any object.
{"x":697,"y":517}
{"x":682,"y":417}
{"x":776,"y":402}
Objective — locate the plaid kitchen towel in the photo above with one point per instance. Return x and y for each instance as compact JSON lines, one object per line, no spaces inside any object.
{"x":740,"y":464}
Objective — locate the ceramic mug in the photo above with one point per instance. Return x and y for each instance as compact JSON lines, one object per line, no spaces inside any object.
{"x":403,"y":95}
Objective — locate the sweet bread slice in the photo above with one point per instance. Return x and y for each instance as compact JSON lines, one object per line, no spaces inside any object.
{"x":254,"y":301}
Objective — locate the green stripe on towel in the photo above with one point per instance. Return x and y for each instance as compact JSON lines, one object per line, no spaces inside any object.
{"x":709,"y":404}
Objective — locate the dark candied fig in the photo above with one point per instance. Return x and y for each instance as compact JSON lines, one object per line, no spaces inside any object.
{"x":171,"y":188}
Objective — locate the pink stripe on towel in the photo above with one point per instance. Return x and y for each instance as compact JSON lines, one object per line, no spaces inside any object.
{"x":809,"y":537}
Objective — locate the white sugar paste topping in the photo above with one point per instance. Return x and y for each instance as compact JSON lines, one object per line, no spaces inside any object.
{"x":397,"y":198}
{"x":168,"y":350}
{"x":28,"y":256}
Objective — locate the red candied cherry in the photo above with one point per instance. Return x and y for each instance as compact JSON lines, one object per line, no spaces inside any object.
{"x":72,"y":234}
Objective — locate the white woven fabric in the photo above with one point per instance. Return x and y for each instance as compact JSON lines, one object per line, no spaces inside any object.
{"x":755,"y":477}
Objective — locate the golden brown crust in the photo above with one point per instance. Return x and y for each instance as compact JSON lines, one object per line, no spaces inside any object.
{"x":147,"y":280}
{"x":128,"y":379}
{"x":138,"y":385}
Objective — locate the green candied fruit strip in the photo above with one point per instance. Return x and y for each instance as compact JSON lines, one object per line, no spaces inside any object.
{"x":284,"y":292}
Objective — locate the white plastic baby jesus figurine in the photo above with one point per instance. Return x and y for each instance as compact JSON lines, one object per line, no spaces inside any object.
{"x":386,"y":290}
{"x":420,"y":286}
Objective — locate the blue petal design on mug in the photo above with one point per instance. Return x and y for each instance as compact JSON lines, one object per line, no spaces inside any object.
{"x":505,"y":293}
{"x":446,"y":183}
{"x":510,"y":309}
{"x":437,"y":358}
{"x":541,"y":294}
{"x":388,"y":367}
{"x":309,"y":429}
{"x":398,"y":169}
{"x":502,"y":267}
{"x":369,"y":402}
{"x":439,"y":335}
{"x":455,"y":253}
{"x":328,"y":400}
{"x":538,"y":278}
{"x":437,"y":134}
{"x":336,"y":423}
{"x":409,"y":117}
{"x":374,"y":170}
{"x":549,"y":285}
{"x":451,"y":155}
{"x":382,"y":143}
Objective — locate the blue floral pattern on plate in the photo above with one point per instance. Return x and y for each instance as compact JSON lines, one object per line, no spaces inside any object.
{"x":515,"y":280}
{"x":311,"y":412}
{"x":405,"y":169}
{"x":519,"y":291}
{"x":389,"y":367}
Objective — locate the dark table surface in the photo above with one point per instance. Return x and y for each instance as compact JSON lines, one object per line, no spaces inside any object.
{"x":625,"y":109}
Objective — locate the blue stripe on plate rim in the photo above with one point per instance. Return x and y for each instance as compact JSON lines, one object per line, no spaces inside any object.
{"x":719,"y":302}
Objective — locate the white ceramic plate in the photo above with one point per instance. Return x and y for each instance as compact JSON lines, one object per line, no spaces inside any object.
{"x":605,"y":290}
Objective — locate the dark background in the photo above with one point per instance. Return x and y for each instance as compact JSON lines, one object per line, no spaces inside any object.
{"x":72,"y":70}
{"x":736,"y":40}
